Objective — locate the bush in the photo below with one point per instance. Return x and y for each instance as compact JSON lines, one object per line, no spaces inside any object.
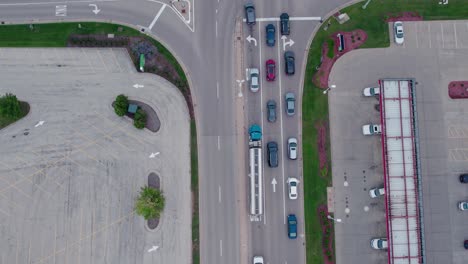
{"x":121,"y":105}
{"x":150,"y":203}
{"x":139,"y":121}
{"x":10,"y":106}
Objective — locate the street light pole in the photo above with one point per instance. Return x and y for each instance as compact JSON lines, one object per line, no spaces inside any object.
{"x":338,"y":220}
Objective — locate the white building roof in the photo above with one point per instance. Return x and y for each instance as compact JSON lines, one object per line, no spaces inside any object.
{"x":403,"y":227}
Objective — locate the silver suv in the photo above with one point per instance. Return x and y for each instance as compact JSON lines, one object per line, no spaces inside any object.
{"x":292,"y":148}
{"x":254,"y":82}
{"x":290,"y":104}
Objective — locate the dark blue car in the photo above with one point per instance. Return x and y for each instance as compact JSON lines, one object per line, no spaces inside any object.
{"x":292,"y":226}
{"x":270,"y":35}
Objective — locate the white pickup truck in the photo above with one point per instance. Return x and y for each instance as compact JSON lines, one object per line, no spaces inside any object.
{"x":371,"y":129}
{"x":371,"y":91}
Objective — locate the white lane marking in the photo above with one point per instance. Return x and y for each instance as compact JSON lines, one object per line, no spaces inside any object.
{"x":271,"y":19}
{"x":430,"y":39}
{"x":219,"y":193}
{"x":58,"y":2}
{"x":217,"y":90}
{"x":281,"y":127}
{"x":417,"y":34}
{"x":61,"y":10}
{"x":216,"y":28}
{"x":156,"y":17}
{"x":221,"y":248}
{"x":219,"y":143}
{"x":455,"y":35}
{"x":216,"y":11}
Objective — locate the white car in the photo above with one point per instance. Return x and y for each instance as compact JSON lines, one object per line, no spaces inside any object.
{"x":398,"y":32}
{"x":463,"y":206}
{"x":292,"y":186}
{"x":257,"y":260}
{"x":379,"y":243}
{"x":371,"y":129}
{"x":376,"y":192}
{"x":371,"y":91}
{"x":292,"y":148}
{"x":254,"y":80}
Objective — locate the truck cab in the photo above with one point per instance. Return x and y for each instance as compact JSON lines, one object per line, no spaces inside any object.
{"x":371,"y":129}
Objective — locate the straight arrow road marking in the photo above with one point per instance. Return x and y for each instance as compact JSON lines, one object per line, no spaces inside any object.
{"x":157,"y":16}
{"x":273,"y":182}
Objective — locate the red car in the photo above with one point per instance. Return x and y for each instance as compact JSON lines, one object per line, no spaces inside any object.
{"x":271,"y":70}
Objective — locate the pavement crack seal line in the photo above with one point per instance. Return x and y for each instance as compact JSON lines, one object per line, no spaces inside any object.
{"x":240,"y":129}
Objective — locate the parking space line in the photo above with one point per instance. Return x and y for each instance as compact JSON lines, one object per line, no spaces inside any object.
{"x":116,"y":60}
{"x":442,"y":34}
{"x":102,"y":60}
{"x":157,"y":16}
{"x":455,"y":34}
{"x":219,"y":143}
{"x":219,"y":193}
{"x":221,"y":247}
{"x":429,"y":34}
{"x":417,"y":34}
{"x":81,"y":232}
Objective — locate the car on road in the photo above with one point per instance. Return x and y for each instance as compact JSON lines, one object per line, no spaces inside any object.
{"x":290,"y":104}
{"x":254,"y":82}
{"x":289,"y":63}
{"x":371,"y":129}
{"x":464,"y":178}
{"x":292,"y":226}
{"x":292,"y":187}
{"x":250,"y":13}
{"x":272,"y":149}
{"x":271,"y":111}
{"x":465,"y":244}
{"x":284,"y":19}
{"x":258,"y":260}
{"x":292,"y":148}
{"x":270,"y":35}
{"x":271,"y":70}
{"x":371,"y":91}
{"x":463,"y":206}
{"x":398,"y":32}
{"x":379,"y":243}
{"x":376,"y":192}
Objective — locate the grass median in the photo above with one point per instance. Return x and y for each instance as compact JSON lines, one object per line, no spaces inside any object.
{"x":315,"y":103}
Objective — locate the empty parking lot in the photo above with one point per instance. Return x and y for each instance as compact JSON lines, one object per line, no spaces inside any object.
{"x":71,"y":169}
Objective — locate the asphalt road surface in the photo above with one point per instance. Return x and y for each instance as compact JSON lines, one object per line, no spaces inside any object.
{"x":204,"y":47}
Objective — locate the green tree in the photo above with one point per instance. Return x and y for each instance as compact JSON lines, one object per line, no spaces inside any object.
{"x":121,"y":105}
{"x":139,"y":120}
{"x":10,"y":106}
{"x":150,"y":203}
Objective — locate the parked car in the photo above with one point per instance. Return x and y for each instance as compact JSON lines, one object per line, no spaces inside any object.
{"x":398,"y":32}
{"x":271,"y":111}
{"x":463,"y":206}
{"x":289,"y":63}
{"x":270,"y":35}
{"x":465,"y":244}
{"x":250,"y":13}
{"x":284,"y":18}
{"x":272,"y":148}
{"x":292,"y":186}
{"x":290,"y":104}
{"x":271,"y":70}
{"x":258,"y":260}
{"x":371,"y":91}
{"x":376,"y":192}
{"x":464,"y":178}
{"x":292,"y":148}
{"x":254,"y":82}
{"x":292,"y":226}
{"x":379,"y":243}
{"x":371,"y":129}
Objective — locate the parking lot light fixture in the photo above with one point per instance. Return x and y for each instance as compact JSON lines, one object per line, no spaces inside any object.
{"x":337,"y":220}
{"x":329,"y":88}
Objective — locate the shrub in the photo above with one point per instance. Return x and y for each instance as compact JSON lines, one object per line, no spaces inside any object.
{"x":150,"y":203}
{"x":139,"y":120}
{"x":121,"y":105}
{"x":10,"y":106}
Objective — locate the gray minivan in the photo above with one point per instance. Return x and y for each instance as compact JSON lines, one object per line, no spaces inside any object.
{"x":250,"y":13}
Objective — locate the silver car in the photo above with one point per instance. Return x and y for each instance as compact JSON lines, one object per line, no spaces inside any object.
{"x":290,"y":104}
{"x":292,"y":148}
{"x":398,"y":31}
{"x":254,"y":82}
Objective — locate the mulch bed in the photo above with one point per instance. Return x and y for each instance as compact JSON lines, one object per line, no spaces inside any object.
{"x":152,"y":120}
{"x":404,"y":16}
{"x":327,"y":235}
{"x":352,"y":40}
{"x":458,"y":89}
{"x":153,"y":182}
{"x":322,"y":133}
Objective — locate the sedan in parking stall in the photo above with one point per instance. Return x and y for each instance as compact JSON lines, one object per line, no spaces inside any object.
{"x":292,"y":226}
{"x":270,"y":35}
{"x":292,"y":186}
{"x":292,"y":148}
{"x":271,"y":70}
{"x":271,"y":111}
{"x":289,"y":63}
{"x":379,"y":243}
{"x":290,"y":104}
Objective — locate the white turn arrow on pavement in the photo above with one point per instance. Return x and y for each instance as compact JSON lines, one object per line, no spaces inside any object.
{"x":240,"y":87}
{"x":250,"y":38}
{"x":39,"y":124}
{"x":153,"y":249}
{"x":273,"y":182}
{"x":286,"y":43}
{"x":96,"y":10}
{"x":153,"y":155}
{"x":138,"y":86}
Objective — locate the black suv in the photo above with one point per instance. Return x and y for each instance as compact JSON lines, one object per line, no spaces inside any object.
{"x":464,"y":178}
{"x":272,"y":154}
{"x":284,"y":18}
{"x":289,"y":67}
{"x":250,"y":13}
